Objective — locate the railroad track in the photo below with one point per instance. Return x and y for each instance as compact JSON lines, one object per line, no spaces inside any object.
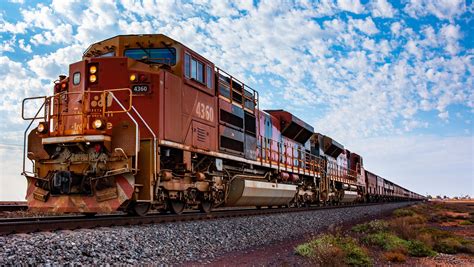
{"x":71,"y":222}
{"x":13,"y":206}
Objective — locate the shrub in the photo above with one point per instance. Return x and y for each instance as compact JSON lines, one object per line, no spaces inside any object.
{"x":324,"y":250}
{"x":371,"y":227}
{"x":419,"y":249}
{"x":448,"y":245}
{"x":403,"y":212}
{"x":395,"y":256}
{"x":304,"y":250}
{"x":355,"y":254}
{"x":330,"y":250}
{"x":465,"y":223}
{"x":407,"y":227}
{"x":425,"y":238}
{"x":468,"y":247}
{"x":387,"y":241}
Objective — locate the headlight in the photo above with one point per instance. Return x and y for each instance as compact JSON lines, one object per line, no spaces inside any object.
{"x":92,"y":78}
{"x":98,"y":124}
{"x":133,"y":77}
{"x":42,"y":127}
{"x":92,"y":69}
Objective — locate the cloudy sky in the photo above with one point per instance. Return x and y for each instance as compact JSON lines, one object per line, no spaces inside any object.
{"x":390,"y":80}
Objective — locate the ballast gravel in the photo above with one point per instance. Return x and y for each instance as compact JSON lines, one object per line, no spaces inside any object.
{"x":172,"y":243}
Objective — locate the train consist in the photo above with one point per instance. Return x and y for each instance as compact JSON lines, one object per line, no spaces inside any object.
{"x":143,"y":123}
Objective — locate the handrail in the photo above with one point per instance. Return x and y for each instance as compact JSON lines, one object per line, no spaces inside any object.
{"x":47,"y":114}
{"x":26,"y":131}
{"x":154,"y":142}
{"x":297,"y":159}
{"x":137,"y":141}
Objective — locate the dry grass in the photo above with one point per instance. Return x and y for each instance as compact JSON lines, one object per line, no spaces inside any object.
{"x":395,"y":256}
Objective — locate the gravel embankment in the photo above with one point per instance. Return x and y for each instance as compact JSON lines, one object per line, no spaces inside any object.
{"x":172,"y":242}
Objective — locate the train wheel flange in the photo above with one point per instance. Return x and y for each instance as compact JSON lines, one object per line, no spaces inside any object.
{"x":177,"y":206}
{"x":205,"y":206}
{"x":139,"y":208}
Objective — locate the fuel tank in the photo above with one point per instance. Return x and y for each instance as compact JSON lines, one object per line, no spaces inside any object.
{"x":244,"y":192}
{"x":349,"y":196}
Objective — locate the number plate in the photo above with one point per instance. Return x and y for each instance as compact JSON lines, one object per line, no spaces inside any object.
{"x":140,"y":88}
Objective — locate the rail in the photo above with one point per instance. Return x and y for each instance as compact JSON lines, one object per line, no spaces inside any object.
{"x":52,"y":223}
{"x":236,"y":91}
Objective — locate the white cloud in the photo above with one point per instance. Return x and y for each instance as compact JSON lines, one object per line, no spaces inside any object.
{"x":382,"y":8}
{"x":449,"y":36}
{"x":16,"y":28}
{"x":7,"y":46}
{"x":366,"y":25}
{"x":61,"y":34}
{"x":50,"y":66}
{"x":442,"y":9}
{"x":41,"y":17}
{"x":353,"y":6}
{"x":24,"y":47}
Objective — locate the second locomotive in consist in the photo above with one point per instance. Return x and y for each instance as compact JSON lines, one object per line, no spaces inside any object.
{"x":143,"y":122}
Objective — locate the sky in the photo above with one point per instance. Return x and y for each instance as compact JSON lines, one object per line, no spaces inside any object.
{"x":391,"y":80}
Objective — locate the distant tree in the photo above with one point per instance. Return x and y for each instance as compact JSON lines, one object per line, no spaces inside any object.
{"x":438,"y":197}
{"x":445,"y":197}
{"x":429,"y":197}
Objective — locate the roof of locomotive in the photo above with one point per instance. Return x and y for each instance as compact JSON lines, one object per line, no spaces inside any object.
{"x":125,"y":41}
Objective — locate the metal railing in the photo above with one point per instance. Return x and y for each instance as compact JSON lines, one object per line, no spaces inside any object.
{"x":238,"y":92}
{"x":289,"y":158}
{"x":53,"y":103}
{"x":298,"y":159}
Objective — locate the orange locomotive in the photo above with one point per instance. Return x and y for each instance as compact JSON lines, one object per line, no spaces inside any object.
{"x":143,"y":122}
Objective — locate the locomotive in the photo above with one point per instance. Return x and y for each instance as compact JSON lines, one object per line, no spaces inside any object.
{"x":144,"y":123}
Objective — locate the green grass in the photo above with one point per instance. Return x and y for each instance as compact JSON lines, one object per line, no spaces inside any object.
{"x":403,"y":212}
{"x":386,"y":241}
{"x":419,"y":249}
{"x":371,"y":227}
{"x":465,"y":223}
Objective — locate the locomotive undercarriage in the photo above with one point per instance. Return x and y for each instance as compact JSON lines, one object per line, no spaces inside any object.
{"x":197,"y":181}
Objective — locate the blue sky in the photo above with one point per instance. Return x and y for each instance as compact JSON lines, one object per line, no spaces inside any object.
{"x":392,"y":80}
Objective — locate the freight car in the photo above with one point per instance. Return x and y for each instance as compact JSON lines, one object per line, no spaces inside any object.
{"x":143,"y":122}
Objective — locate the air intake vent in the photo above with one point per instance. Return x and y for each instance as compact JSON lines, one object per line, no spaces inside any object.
{"x":231,"y":119}
{"x":250,"y":124}
{"x":201,"y":134}
{"x":232,"y":144}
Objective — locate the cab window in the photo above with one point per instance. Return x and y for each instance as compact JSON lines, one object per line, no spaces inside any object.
{"x":153,"y":55}
{"x":197,"y":70}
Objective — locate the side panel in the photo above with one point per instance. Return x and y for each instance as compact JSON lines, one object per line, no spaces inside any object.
{"x":172,"y":108}
{"x":198,"y":108}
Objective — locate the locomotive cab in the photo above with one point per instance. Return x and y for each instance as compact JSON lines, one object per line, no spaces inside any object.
{"x":85,"y":148}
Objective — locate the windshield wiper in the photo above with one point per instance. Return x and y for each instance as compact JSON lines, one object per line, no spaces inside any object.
{"x":144,"y":50}
{"x":169,"y":48}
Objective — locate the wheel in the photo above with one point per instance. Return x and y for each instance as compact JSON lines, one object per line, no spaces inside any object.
{"x":177,"y":206}
{"x":258,"y":207}
{"x":205,"y":206}
{"x":139,"y":209}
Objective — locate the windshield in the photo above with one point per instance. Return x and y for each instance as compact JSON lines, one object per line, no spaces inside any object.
{"x":155,"y":55}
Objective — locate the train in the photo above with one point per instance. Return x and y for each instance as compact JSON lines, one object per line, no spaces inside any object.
{"x":144,"y":123}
